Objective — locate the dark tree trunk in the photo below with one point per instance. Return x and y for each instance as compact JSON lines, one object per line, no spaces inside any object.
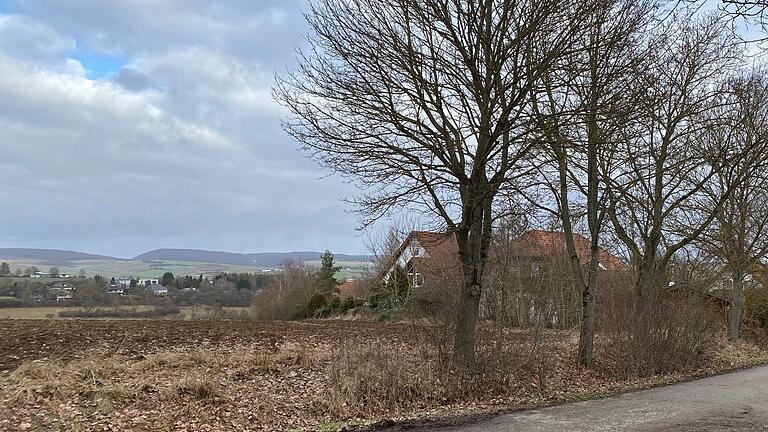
{"x":734,"y":319}
{"x":469,"y":302}
{"x":473,"y":239}
{"x":588,"y":303}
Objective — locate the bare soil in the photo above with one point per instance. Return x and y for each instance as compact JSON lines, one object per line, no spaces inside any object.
{"x":246,"y":375}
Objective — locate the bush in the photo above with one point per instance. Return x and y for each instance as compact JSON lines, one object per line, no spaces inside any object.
{"x":667,"y":334}
{"x":756,"y":306}
{"x":286,"y":295}
{"x":350,"y":303}
{"x":116,"y":312}
{"x":10,"y":302}
{"x":316,"y":304}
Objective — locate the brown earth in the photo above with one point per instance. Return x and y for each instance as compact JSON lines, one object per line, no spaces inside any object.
{"x":313,"y":375}
{"x":67,"y":339}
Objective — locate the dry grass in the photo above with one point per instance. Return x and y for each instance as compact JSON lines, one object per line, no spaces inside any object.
{"x":303,"y":381}
{"x":106,"y":384}
{"x":197,"y":388}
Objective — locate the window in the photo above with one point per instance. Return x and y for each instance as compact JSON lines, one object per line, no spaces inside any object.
{"x":415,"y":279}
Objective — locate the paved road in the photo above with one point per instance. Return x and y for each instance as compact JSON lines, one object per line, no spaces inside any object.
{"x":732,"y":402}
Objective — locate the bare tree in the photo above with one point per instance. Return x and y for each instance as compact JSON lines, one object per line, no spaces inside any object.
{"x":739,"y":234}
{"x":582,"y":107}
{"x":423,"y":103}
{"x":750,"y":11}
{"x":667,"y":160}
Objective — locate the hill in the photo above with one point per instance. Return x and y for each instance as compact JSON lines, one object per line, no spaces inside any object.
{"x":262,"y":259}
{"x":51,"y":256}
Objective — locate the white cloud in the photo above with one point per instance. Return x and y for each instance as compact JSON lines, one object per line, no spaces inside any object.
{"x":28,"y":39}
{"x":182,"y":148}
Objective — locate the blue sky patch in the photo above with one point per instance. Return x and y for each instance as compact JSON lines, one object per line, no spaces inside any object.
{"x":6,"y":7}
{"x":97,"y":65}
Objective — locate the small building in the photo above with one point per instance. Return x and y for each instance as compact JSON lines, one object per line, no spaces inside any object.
{"x":124,"y":281}
{"x":147,"y":282}
{"x":38,"y":275}
{"x":115,"y":289}
{"x":63,"y":286}
{"x":351,"y":288}
{"x":157,"y":290}
{"x":64,"y":296}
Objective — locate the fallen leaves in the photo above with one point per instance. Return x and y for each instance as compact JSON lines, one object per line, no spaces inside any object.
{"x":259,"y":376}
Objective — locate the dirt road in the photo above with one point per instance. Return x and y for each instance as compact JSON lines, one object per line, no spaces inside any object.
{"x":732,"y":402}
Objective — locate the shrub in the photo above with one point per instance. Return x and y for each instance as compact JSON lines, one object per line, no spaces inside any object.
{"x":286,"y":295}
{"x":756,"y":306}
{"x":9,"y":302}
{"x":116,"y":312}
{"x":316,"y":304}
{"x":350,"y":303}
{"x":669,"y":333}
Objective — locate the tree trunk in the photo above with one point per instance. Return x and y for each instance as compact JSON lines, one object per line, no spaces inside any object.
{"x":734,"y":320}
{"x":644,"y":312}
{"x":464,"y":345}
{"x":473,"y":240}
{"x":589,"y":302}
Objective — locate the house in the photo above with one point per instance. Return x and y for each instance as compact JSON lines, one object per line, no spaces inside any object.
{"x":157,"y":289}
{"x":147,"y":282}
{"x":429,"y":257}
{"x":536,"y":248}
{"x":63,"y":286}
{"x":38,"y":275}
{"x":124,"y":281}
{"x":351,"y":288}
{"x":61,"y":291}
{"x":64,"y":296}
{"x":115,"y":288}
{"x":426,"y":257}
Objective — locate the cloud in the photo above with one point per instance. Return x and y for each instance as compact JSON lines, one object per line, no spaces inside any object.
{"x":27,"y":39}
{"x":181,"y":147}
{"x":133,"y":80}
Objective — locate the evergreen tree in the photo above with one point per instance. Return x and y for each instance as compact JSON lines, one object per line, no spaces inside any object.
{"x":397,"y":285}
{"x":5,"y":269}
{"x":326,"y":283}
{"x":167,"y":279}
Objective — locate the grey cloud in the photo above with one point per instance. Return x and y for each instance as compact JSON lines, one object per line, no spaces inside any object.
{"x":27,"y":39}
{"x":182,"y":148}
{"x":133,"y":80}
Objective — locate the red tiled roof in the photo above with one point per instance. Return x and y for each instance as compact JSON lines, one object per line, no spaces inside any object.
{"x":540,"y":244}
{"x":441,"y":248}
{"x":350,"y":288}
{"x":443,"y":251}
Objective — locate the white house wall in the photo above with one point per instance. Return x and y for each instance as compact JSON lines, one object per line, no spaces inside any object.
{"x":413,"y":249}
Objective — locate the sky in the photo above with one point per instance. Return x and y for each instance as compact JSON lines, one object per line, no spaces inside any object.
{"x":131,"y":125}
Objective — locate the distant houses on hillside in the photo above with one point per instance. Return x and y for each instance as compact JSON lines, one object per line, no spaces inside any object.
{"x":39,"y":275}
{"x":122,"y":285}
{"x":62,"y":291}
